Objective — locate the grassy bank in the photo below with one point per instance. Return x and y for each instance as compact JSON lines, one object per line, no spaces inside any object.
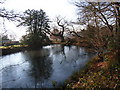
{"x":98,"y":74}
{"x":12,"y":49}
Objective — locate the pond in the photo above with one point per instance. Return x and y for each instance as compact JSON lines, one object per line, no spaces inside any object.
{"x":42,"y":68}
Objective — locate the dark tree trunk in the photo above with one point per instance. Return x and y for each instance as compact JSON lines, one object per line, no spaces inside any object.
{"x":62,"y":38}
{"x":118,"y":29}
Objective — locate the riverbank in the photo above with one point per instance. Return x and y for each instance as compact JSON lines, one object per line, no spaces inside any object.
{"x":5,"y":50}
{"x":97,"y":74}
{"x":12,"y":49}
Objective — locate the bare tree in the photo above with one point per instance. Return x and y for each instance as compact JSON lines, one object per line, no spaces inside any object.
{"x":7,"y":15}
{"x":100,"y":15}
{"x":62,"y":23}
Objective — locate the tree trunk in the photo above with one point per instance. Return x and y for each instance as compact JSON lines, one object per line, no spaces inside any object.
{"x":62,"y":38}
{"x":117,"y":4}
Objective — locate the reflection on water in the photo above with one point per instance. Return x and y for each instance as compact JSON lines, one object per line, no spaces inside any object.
{"x":36,"y":69}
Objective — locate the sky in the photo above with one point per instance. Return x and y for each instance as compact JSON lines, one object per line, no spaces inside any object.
{"x":53,"y":8}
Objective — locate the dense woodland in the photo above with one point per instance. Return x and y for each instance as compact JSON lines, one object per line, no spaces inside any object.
{"x":101,"y":33}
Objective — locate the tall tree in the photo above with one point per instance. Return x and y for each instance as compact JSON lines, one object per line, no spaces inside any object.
{"x":38,"y":24}
{"x":99,"y":15}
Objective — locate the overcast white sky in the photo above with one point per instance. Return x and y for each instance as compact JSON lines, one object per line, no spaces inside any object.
{"x":52,"y":8}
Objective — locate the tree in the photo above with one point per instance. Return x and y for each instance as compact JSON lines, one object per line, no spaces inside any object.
{"x":6,"y":15}
{"x":5,"y":37}
{"x":38,"y":26}
{"x":100,"y":15}
{"x":106,"y":13}
{"x":62,"y":23}
{"x":9,"y":15}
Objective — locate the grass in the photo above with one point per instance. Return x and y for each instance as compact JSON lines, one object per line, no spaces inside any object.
{"x":12,"y":46}
{"x":97,"y":74}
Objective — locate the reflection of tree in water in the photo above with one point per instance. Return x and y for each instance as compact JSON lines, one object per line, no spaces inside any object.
{"x":72,"y":55}
{"x":63,"y":50}
{"x":41,"y":65}
{"x":58,"y":49}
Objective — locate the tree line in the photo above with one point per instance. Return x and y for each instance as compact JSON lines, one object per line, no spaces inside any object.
{"x":101,"y":21}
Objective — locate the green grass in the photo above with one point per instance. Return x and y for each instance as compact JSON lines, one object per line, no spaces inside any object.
{"x":12,"y":46}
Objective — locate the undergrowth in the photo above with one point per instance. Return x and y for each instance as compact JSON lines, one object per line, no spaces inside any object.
{"x":97,"y":74}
